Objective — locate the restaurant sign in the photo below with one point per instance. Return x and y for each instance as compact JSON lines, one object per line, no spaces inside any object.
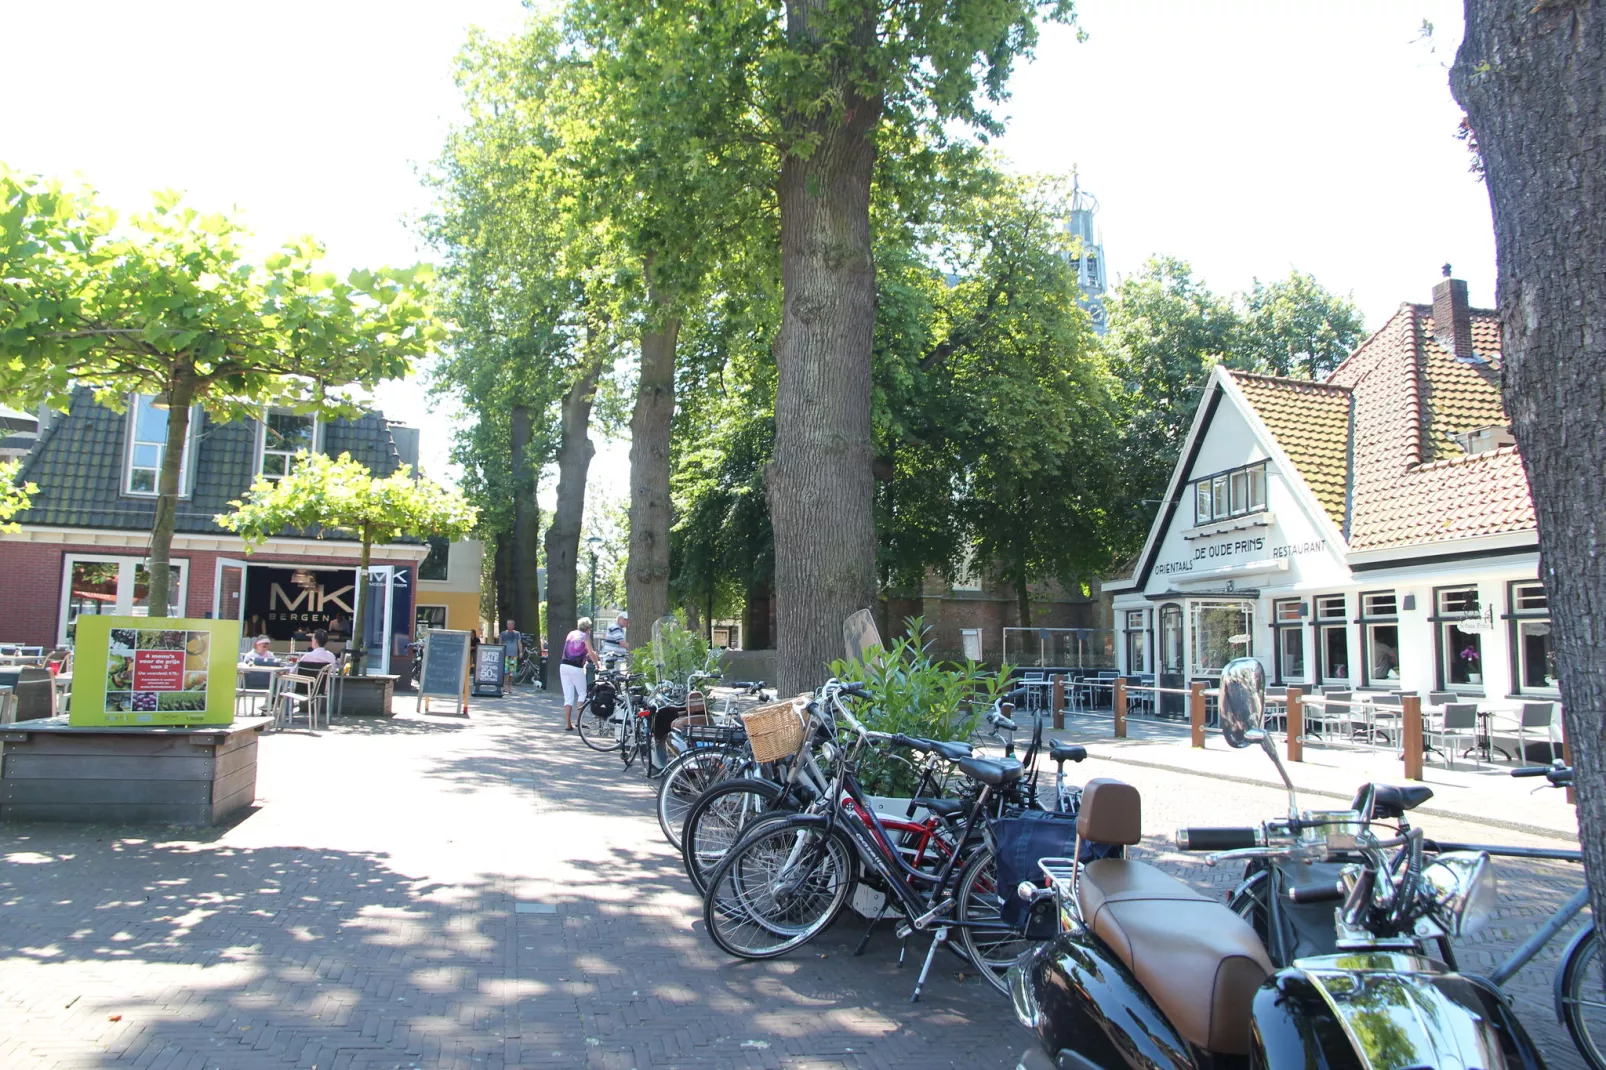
{"x":152,"y":671}
{"x":284,"y":602}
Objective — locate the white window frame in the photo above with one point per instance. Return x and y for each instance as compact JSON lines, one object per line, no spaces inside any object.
{"x":971,"y":633}
{"x":125,"y":585}
{"x":446,"y":614}
{"x":967,"y":577}
{"x":262,"y":441}
{"x":1519,"y":616}
{"x":130,"y":442}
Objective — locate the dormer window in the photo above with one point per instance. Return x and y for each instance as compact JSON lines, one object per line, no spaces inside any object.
{"x":1484,"y":439}
{"x":284,"y":434}
{"x":1237,"y":492}
{"x":147,"y":446}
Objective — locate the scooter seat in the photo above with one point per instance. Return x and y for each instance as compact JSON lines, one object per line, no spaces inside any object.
{"x":1391,"y":801}
{"x":1065,"y":752}
{"x":992,"y":773}
{"x":1197,"y":960}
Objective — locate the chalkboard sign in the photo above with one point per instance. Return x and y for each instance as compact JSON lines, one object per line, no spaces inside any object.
{"x":488,"y":669}
{"x":445,"y":671}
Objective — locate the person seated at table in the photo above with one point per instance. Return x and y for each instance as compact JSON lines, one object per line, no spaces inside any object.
{"x":318,"y":656}
{"x":260,"y":655}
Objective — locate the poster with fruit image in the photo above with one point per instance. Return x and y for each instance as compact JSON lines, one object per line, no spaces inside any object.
{"x":159,"y":671}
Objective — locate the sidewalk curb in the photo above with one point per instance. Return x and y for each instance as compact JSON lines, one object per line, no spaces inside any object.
{"x":1430,"y":811}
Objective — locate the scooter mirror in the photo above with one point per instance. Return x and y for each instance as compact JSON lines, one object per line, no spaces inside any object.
{"x":1243,"y":701}
{"x":860,"y":635}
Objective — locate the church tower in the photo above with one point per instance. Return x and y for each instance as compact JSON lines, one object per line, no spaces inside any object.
{"x":1091,"y":275}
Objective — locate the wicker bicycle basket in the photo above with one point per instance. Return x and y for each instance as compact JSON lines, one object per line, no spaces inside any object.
{"x":774,"y":731}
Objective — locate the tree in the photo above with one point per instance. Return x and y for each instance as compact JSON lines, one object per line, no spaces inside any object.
{"x":14,"y":496}
{"x":1532,"y":78}
{"x":343,"y":495}
{"x":1296,"y":327}
{"x":163,"y":304}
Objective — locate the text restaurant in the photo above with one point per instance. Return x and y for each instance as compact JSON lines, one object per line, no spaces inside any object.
{"x":1371,"y":532}
{"x":80,"y":548}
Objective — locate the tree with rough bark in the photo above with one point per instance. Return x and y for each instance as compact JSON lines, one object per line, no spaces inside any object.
{"x":339,"y":494}
{"x":1532,"y":78}
{"x":164,"y":305}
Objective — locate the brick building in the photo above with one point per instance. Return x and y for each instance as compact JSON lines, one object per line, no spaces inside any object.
{"x":83,"y":542}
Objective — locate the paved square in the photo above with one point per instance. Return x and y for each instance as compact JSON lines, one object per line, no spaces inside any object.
{"x":485,"y":892}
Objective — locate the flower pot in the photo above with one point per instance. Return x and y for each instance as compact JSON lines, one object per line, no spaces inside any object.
{"x":1474,"y":678}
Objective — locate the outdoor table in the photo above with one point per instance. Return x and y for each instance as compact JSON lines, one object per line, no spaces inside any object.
{"x":1037,"y":692}
{"x":273,"y":672}
{"x":1485,"y":743}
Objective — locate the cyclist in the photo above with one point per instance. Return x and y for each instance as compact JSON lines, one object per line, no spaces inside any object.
{"x":572,"y":669}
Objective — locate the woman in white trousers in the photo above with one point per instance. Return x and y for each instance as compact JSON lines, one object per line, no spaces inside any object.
{"x":572,"y":669}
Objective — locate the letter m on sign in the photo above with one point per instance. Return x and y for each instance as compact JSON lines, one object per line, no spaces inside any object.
{"x":277,"y":598}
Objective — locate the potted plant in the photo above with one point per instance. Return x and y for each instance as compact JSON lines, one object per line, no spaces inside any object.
{"x":1473,"y":658}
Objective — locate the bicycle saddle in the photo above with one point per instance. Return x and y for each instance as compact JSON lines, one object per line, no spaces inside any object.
{"x":993,"y":773}
{"x":950,"y":749}
{"x":1392,"y":801}
{"x":1065,"y":752}
{"x":941,"y":807}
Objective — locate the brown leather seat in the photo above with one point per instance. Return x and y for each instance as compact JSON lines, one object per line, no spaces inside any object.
{"x":1198,"y":961}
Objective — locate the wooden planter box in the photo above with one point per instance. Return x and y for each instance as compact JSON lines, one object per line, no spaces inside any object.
{"x":366,"y":696}
{"x":52,"y":771}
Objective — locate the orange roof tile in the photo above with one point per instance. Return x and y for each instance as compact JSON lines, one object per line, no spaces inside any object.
{"x":1311,"y":423}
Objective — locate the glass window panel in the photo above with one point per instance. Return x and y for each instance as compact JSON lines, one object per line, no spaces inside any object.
{"x":1239,"y":481}
{"x":142,"y":588}
{"x":1536,"y":655}
{"x":434,"y":566}
{"x":1383,"y":651}
{"x":1221,"y":631}
{"x":147,"y":456}
{"x":1464,"y":653}
{"x":1218,"y":491}
{"x":1291,"y":649}
{"x":1335,"y":654}
{"x":91,"y":589}
{"x":289,"y":432}
{"x":1531,"y":596}
{"x":1458,"y":600}
{"x":1171,"y":638}
{"x":1257,"y":487}
{"x":1201,"y":501}
{"x":1288,"y":610}
{"x":1380,"y":604}
{"x":1330,"y":606}
{"x":142,"y":481}
{"x":150,"y":423}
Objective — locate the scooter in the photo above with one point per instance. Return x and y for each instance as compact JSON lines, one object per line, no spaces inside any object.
{"x":1148,"y":973}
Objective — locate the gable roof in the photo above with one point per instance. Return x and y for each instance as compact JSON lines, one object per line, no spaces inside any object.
{"x":1310,"y":421}
{"x":78,"y":466}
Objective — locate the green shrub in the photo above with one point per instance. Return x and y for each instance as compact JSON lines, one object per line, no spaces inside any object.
{"x":912,"y":693}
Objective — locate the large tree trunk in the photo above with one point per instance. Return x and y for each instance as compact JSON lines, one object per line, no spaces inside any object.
{"x":820,"y":487}
{"x":503,"y":571}
{"x":524,"y":549}
{"x":181,"y":394}
{"x":647,"y":571}
{"x":563,"y":536}
{"x":756,"y":617}
{"x":1532,"y":78}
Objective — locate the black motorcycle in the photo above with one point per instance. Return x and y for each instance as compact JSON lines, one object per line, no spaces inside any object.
{"x":1147,"y":972}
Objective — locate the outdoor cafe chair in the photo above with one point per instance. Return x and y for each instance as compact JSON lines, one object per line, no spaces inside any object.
{"x":1441,"y":698}
{"x":1458,"y":721}
{"x":304,"y":694}
{"x":1339,"y":715}
{"x":1536,"y":717}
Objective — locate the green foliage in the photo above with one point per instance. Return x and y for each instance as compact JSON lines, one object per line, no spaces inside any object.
{"x":14,"y":496}
{"x":676,"y":652}
{"x":912,"y":693}
{"x":1296,"y":327}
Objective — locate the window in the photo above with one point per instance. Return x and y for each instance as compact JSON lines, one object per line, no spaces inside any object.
{"x":970,"y":640}
{"x":147,"y":446}
{"x":1332,"y":639}
{"x":1380,"y":636}
{"x":1460,"y":640}
{"x":967,"y":577}
{"x":427,"y":617}
{"x":1533,"y":647}
{"x":434,"y":566}
{"x":1137,"y":646}
{"x":1228,"y":494}
{"x":284,"y":434}
{"x":112,"y":585}
{"x":1288,"y":618}
{"x":1221,"y":631}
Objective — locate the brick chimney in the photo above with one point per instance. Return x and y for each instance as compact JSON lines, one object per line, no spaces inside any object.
{"x":1452,"y":319}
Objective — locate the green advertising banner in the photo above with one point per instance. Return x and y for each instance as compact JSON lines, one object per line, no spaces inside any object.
{"x":154,"y":671}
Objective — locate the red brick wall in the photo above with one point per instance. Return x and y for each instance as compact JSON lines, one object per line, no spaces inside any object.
{"x":31,"y":577}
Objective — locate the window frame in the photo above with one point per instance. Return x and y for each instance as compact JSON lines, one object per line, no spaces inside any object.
{"x":1137,"y":641}
{"x":262,"y":450}
{"x":1220,"y":488}
{"x":446,"y":570}
{"x":1516,"y":616}
{"x":1196,"y":608}
{"x":1370,"y":618}
{"x":1320,"y":625}
{"x":131,"y":442}
{"x":445,"y":620}
{"x":124,"y":605}
{"x":1280,"y":624}
{"x":1444,"y":648}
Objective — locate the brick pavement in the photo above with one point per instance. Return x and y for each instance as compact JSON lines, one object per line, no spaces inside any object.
{"x":442,"y":892}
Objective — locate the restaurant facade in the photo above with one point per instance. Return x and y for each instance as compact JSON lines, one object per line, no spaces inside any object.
{"x":1372,"y":531}
{"x":83,"y":543}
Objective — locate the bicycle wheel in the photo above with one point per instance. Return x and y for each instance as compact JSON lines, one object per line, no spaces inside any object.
{"x":992,"y":953}
{"x":716,"y":821}
{"x":684,"y":781}
{"x":630,"y":740}
{"x":1583,"y":997}
{"x":784,"y":883}
{"x":595,"y":730}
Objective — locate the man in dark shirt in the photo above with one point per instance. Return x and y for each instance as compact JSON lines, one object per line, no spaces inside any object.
{"x":512,"y":643}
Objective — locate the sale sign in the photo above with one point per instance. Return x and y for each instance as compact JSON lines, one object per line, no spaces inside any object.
{"x":159,"y":670}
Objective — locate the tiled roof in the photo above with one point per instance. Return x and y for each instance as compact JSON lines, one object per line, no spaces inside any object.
{"x":1410,"y":483}
{"x":1311,"y":423}
{"x":78,"y":465}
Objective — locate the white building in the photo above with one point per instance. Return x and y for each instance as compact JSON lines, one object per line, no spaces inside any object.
{"x":1373,"y":531}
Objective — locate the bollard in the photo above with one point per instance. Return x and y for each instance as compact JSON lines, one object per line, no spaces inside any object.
{"x":1118,"y":705}
{"x":1411,"y":736}
{"x":1196,"y":712}
{"x":1058,"y":701}
{"x":1296,"y":725}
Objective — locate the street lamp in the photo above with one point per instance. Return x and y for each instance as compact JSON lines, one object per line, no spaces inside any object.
{"x":594,"y":542}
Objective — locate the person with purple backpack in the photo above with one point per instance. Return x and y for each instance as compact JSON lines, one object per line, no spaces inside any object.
{"x":572,"y":669}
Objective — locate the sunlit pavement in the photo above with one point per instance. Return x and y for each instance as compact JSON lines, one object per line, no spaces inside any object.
{"x":485,"y":892}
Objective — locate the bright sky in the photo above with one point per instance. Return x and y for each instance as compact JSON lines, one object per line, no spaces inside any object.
{"x":1246,"y":137}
